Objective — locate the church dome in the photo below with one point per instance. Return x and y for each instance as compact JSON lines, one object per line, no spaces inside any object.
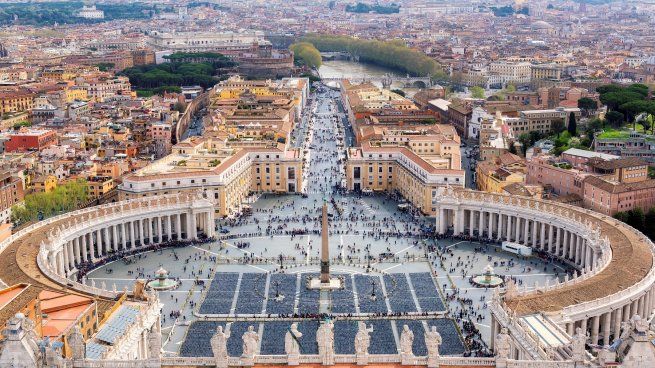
{"x":540,"y":24}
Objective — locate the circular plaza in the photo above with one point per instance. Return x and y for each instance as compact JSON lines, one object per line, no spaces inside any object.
{"x":400,"y":272}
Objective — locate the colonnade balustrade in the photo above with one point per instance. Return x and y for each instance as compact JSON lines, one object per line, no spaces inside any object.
{"x":125,"y":227}
{"x":569,"y":242}
{"x":585,"y":240}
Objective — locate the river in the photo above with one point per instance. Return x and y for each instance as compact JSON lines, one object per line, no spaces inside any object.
{"x":351,"y":69}
{"x":354,"y":69}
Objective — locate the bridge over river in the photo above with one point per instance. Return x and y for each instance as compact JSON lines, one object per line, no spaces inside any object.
{"x":388,"y":81}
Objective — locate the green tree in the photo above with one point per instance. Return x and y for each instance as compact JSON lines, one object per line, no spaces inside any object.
{"x":608,"y":88}
{"x":64,"y":198}
{"x":179,"y":107}
{"x":557,"y":127}
{"x":593,"y":126}
{"x":307,"y":54}
{"x":614,"y":119}
{"x":572,"y":127}
{"x":633,"y":108}
{"x":636,"y":218}
{"x":477,"y":92}
{"x":614,"y":100}
{"x":586,"y":104}
{"x":621,"y":216}
{"x":649,"y":223}
{"x":524,"y":139}
{"x":391,"y":54}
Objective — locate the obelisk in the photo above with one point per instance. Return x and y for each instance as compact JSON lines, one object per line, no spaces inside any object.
{"x":325,"y":251}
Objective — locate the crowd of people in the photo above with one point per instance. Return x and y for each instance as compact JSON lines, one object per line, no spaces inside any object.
{"x":377,"y":232}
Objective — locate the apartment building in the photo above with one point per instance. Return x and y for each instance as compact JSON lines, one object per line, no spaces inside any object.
{"x":511,"y":72}
{"x":225,"y":174}
{"x":603,"y":183}
{"x":30,"y":140}
{"x":546,"y":71}
{"x":382,"y":167}
{"x":498,"y":172}
{"x":16,"y":100}
{"x":541,"y":120}
{"x":627,"y":144}
{"x":11,"y":193}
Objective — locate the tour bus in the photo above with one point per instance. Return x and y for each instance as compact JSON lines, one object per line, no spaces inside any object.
{"x":516,"y":248}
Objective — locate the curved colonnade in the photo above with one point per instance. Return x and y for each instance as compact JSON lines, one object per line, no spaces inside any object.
{"x":613,"y":262}
{"x":67,"y":242}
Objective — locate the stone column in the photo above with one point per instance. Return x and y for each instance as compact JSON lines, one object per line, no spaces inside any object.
{"x":211,"y":225}
{"x":517,"y":229}
{"x":499,"y":235}
{"x":160,"y":229}
{"x":76,"y":250}
{"x":550,"y":238}
{"x":583,"y":325}
{"x":572,"y":245}
{"x":85,"y":252}
{"x":169,"y":227}
{"x":508,"y":236}
{"x":141,"y":232}
{"x":150,"y":230}
{"x":617,"y":322}
{"x":132,"y":238}
{"x":471,"y":222}
{"x":107,"y":241}
{"x":178,"y":226}
{"x":114,"y":242}
{"x":92,"y":247}
{"x":595,"y":325}
{"x":481,"y":223}
{"x":627,"y":313}
{"x":558,"y":239}
{"x":634,"y":307}
{"x":534,"y":233}
{"x":64,"y":256}
{"x":71,"y":255}
{"x":59,"y":262}
{"x":62,"y":262}
{"x":194,"y":225}
{"x":578,"y":249}
{"x":542,"y":235}
{"x":526,"y":231}
{"x":124,"y":235}
{"x":490,"y":226}
{"x":607,"y":317}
